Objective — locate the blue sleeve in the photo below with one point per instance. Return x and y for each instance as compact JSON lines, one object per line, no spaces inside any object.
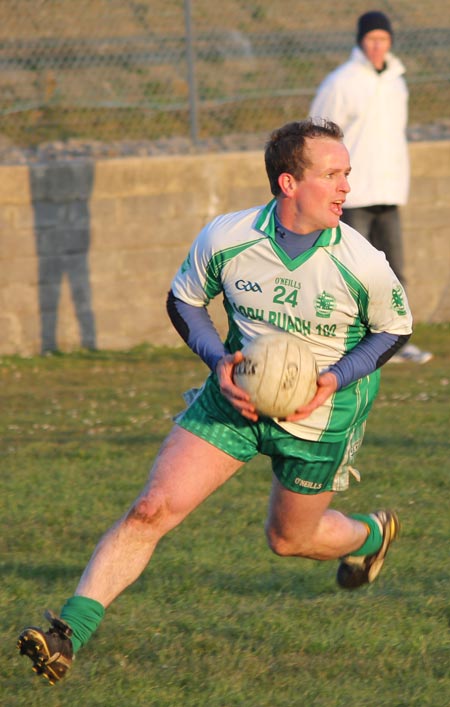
{"x":196,"y":328}
{"x":371,"y":353}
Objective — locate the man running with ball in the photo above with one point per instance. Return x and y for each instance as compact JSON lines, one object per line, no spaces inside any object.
{"x":289,"y":265}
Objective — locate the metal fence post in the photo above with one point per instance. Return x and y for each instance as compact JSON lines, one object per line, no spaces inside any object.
{"x":190,"y":53}
{"x":125,"y":72}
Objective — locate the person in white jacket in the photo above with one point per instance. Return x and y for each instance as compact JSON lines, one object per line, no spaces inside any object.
{"x":368,"y":98}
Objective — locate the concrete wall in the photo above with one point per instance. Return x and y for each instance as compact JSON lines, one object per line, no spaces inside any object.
{"x":88,"y":250}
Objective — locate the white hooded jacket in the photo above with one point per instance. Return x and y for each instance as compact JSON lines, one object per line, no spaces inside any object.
{"x":372,"y":110}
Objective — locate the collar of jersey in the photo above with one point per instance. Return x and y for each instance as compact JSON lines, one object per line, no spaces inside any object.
{"x":266,"y":223}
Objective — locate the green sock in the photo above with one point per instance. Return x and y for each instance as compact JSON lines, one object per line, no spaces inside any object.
{"x":83,"y":616}
{"x":374,"y":538}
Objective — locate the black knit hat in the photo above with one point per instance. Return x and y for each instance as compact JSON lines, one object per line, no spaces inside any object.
{"x":370,"y":21}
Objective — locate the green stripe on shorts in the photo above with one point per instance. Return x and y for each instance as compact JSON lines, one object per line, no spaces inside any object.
{"x":300,"y":465}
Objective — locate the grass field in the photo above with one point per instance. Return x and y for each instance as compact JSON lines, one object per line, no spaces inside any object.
{"x":217,"y":620}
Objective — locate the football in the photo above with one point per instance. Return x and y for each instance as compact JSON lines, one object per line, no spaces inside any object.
{"x":278,"y":372}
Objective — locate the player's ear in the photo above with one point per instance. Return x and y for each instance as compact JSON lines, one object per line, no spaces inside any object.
{"x":287,"y":183}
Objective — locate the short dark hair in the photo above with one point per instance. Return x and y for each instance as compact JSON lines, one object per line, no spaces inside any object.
{"x":285,"y":149}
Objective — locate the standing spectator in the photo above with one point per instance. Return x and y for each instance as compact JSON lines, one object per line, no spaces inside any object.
{"x":368,"y":98}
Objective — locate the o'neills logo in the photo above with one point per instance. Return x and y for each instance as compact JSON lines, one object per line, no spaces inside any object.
{"x":307,"y":484}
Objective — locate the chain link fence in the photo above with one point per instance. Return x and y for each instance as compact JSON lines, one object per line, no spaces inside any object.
{"x":111,"y":70}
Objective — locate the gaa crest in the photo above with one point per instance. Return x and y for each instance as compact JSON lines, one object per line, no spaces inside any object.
{"x":324,"y":304}
{"x":397,"y":302}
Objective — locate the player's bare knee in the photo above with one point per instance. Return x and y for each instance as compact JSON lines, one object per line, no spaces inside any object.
{"x":147,"y":512}
{"x":277,"y":543}
{"x":284,"y":547}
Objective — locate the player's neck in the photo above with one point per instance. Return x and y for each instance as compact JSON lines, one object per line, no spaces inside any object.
{"x":291,"y":226}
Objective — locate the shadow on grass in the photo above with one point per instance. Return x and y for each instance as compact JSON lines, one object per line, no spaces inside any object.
{"x":282,"y":581}
{"x":42,"y":572}
{"x":300,"y":580}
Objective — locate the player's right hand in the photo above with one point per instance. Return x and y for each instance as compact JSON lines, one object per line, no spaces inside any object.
{"x":238,"y":398}
{"x":327,"y":384}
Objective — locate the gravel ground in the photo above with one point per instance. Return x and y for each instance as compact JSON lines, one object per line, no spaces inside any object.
{"x":94,"y":150}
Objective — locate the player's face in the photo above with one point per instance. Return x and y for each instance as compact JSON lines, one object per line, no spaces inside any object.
{"x":375,"y":46}
{"x":319,"y":196}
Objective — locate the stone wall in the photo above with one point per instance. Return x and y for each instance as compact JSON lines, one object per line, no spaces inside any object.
{"x":88,"y":249}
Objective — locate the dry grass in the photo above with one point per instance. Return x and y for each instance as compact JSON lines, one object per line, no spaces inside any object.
{"x":85,"y":75}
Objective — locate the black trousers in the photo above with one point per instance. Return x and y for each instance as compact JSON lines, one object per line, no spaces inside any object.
{"x":381,"y":226}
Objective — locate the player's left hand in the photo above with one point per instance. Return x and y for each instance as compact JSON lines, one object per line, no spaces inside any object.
{"x":326,"y":385}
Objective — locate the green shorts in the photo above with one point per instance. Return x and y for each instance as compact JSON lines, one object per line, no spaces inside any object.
{"x":299,"y":465}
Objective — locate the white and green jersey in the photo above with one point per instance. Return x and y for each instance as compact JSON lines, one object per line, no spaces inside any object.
{"x":330,"y":296}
